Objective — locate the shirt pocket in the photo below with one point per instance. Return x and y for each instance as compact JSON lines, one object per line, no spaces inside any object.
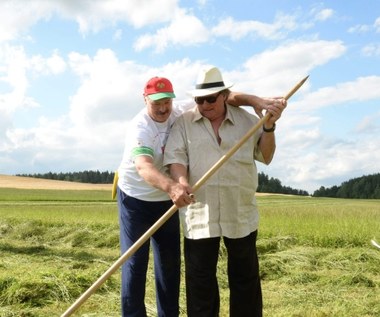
{"x":245,"y":154}
{"x":201,"y":159}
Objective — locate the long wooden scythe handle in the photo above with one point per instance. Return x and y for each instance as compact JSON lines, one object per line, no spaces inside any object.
{"x":170,"y":212}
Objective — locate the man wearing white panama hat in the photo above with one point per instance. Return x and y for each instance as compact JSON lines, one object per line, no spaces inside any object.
{"x":225,"y":205}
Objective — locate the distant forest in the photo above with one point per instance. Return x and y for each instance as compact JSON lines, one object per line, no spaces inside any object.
{"x":365,"y":187}
{"x":92,"y":177}
{"x":266,"y":184}
{"x":273,"y":185}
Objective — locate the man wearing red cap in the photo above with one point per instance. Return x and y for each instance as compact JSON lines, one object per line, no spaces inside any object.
{"x":146,"y":192}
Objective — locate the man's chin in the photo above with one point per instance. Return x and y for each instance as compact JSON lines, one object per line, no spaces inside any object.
{"x":161,"y":118}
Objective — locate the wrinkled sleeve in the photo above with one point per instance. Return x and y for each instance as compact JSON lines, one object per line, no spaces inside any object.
{"x":140,"y":141}
{"x":182,"y":106}
{"x":176,"y":148}
{"x":257,"y":155}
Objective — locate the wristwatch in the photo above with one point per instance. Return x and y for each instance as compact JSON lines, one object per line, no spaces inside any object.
{"x":271,"y":129}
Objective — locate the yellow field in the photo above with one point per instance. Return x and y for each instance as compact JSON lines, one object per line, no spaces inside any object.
{"x":8,"y":181}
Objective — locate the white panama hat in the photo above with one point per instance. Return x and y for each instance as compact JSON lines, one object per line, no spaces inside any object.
{"x":210,"y":81}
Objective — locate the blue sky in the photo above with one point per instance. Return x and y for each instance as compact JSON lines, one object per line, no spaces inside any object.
{"x":72,"y":74}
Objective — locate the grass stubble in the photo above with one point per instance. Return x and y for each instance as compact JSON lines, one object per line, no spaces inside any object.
{"x":315,"y":255}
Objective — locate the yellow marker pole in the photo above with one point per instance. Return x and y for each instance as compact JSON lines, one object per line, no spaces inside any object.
{"x":114,"y":185}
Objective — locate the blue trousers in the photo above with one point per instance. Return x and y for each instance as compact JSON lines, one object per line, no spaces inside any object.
{"x":135,"y":218}
{"x":202,"y":291}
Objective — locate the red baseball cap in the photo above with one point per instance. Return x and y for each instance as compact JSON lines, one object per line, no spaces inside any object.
{"x":158,"y":88}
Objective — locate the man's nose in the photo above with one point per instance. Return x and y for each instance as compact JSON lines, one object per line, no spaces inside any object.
{"x":162,"y":108}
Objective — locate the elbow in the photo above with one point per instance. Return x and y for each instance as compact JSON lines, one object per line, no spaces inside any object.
{"x":268,"y":157}
{"x":268,"y":160}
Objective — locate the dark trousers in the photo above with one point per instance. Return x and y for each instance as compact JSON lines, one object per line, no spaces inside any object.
{"x":135,"y":218}
{"x":202,"y":292}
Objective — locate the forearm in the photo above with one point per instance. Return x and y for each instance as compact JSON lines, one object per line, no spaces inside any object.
{"x":178,"y":172}
{"x":259,"y":104}
{"x":240,"y":99}
{"x":267,"y":145}
{"x":155,"y":178}
{"x":178,"y":192}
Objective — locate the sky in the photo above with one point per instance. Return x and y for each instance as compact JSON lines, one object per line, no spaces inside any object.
{"x":72,"y":75}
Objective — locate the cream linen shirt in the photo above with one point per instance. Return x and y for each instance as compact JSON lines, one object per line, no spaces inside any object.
{"x":226,"y":204}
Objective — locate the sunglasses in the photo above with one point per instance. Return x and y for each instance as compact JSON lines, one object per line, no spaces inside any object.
{"x":209,"y":99}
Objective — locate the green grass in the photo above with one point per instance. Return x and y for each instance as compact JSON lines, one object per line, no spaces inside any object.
{"x":315,"y":255}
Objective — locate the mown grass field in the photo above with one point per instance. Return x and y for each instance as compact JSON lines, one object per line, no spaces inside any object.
{"x":315,"y":255}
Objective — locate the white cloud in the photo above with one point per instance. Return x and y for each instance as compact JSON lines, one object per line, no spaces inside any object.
{"x":344,"y":158}
{"x":369,"y":124}
{"x":324,"y":14}
{"x":108,"y":89}
{"x":363,"y":28}
{"x":361,"y":89}
{"x":96,"y":14}
{"x":13,"y":70}
{"x":91,"y":15}
{"x":307,"y":156}
{"x":238,"y":29}
{"x":111,"y":90}
{"x":311,"y":159}
{"x":16,"y":17}
{"x":359,"y":28}
{"x":13,"y":65}
{"x":372,"y":49}
{"x":56,"y":64}
{"x":118,"y":34}
{"x":55,"y":145}
{"x":277,"y":70}
{"x":108,"y":96}
{"x":177,"y":33}
{"x":16,"y":68}
{"x":53,"y":65}
{"x":377,"y":25}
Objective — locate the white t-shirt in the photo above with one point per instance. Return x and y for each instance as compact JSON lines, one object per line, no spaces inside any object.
{"x":147,"y":137}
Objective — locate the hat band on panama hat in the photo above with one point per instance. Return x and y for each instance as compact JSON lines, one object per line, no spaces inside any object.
{"x":210,"y":81}
{"x":210,"y":85}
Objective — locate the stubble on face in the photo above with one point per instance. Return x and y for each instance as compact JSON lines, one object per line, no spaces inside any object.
{"x":213,"y":111}
{"x":159,"y":110}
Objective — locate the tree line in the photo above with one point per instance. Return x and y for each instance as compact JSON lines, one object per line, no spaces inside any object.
{"x":92,"y":177}
{"x":364,"y":187}
{"x":266,"y":184}
{"x":273,"y":185}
